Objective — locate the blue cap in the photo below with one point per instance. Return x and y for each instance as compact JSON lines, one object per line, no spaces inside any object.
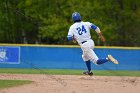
{"x":76,"y":17}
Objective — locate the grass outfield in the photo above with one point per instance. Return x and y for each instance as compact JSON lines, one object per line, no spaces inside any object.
{"x":12,"y":83}
{"x":69,"y":72}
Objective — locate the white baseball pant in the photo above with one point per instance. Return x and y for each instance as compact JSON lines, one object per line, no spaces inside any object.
{"x":88,"y":53}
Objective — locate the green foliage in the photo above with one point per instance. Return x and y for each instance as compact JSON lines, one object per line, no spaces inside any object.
{"x":48,"y":21}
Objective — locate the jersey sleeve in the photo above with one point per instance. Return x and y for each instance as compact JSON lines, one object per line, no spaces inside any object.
{"x":94,"y":27}
{"x":70,"y":34}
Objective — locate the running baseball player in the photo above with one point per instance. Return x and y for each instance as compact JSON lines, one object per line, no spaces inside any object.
{"x":80,"y":32}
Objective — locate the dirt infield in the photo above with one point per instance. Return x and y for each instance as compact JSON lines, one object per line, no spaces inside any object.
{"x":73,"y":84}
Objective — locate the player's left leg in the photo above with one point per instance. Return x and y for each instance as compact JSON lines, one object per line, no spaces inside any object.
{"x":88,"y":65}
{"x":89,"y":72}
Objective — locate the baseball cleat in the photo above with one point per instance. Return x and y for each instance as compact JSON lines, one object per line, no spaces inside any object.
{"x":110,"y":58}
{"x":88,"y":73}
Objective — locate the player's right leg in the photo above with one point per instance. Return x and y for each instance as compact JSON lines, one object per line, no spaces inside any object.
{"x":88,"y":52}
{"x":112,"y":59}
{"x":93,"y":57}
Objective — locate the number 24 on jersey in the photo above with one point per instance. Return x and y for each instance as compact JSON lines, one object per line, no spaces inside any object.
{"x":81,"y":30}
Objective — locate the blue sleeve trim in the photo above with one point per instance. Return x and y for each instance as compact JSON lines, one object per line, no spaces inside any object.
{"x":69,"y":37}
{"x":93,"y":27}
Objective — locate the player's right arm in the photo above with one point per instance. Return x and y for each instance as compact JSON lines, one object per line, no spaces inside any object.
{"x":94,"y":27}
{"x":101,"y":37}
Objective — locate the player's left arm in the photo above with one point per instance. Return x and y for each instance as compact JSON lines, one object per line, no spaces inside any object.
{"x":94,"y":27}
{"x":70,"y":36}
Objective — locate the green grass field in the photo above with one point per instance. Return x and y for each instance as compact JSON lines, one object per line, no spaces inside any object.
{"x":11,"y":83}
{"x":69,"y":72}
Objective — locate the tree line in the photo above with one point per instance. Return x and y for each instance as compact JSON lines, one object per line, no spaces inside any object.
{"x":48,"y":21}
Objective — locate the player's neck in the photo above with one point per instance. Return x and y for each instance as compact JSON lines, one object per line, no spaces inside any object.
{"x":77,"y":21}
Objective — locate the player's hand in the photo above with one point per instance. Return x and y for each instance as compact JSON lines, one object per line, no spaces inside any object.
{"x":102,"y":39}
{"x":74,"y":40}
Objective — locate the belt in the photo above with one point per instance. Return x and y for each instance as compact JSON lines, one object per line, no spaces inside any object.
{"x":83,"y":42}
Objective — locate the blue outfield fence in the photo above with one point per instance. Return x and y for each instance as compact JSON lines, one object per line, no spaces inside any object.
{"x":65,"y":57}
{"x":10,"y":55}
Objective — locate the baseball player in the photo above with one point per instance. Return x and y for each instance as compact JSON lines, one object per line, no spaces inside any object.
{"x":80,"y":32}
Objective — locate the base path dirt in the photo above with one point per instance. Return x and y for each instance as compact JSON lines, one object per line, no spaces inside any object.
{"x":72,"y":84}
